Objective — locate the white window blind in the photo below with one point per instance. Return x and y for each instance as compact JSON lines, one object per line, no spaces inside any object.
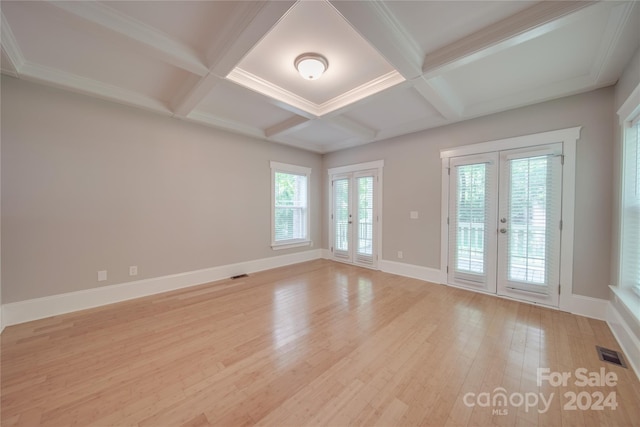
{"x":533,"y":218}
{"x":470,"y":220}
{"x":630,"y":256}
{"x":341,"y":188}
{"x":365,"y":218}
{"x":290,"y":186}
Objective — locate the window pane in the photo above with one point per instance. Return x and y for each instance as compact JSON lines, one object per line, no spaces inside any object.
{"x":341,"y":188}
{"x":365,"y":215}
{"x":630,"y":256}
{"x":471,"y":216}
{"x":290,"y":206}
{"x":528,"y":206}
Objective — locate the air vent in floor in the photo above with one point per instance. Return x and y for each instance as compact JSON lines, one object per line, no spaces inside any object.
{"x":611,"y":356}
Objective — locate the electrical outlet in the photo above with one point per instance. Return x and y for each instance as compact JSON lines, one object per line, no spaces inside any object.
{"x":400,"y":254}
{"x":133,"y":270}
{"x":102,"y":275}
{"x":413,"y":214}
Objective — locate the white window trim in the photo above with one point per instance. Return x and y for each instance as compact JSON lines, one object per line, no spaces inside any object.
{"x":569,"y":138}
{"x":628,"y":114}
{"x":378,"y":165}
{"x":296,"y":170}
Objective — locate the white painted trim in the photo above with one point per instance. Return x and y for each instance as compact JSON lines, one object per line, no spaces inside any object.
{"x":165,"y":48}
{"x":524,"y":141}
{"x":595,"y":308}
{"x":378,"y":164}
{"x":625,"y":337}
{"x":87,"y":86}
{"x":444,"y":215}
{"x":293,"y":170}
{"x":432,"y":275}
{"x":630,"y":108}
{"x":568,"y":137}
{"x":326,"y":254}
{"x":25,"y":311}
{"x":10,"y":45}
{"x":2,"y":322}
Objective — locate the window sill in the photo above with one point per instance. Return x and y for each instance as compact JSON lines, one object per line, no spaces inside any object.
{"x":629,"y":299}
{"x":289,"y":245}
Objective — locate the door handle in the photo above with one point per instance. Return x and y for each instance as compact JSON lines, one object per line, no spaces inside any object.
{"x":350,"y":222}
{"x":503,"y":230}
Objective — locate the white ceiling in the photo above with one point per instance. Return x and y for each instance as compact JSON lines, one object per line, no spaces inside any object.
{"x":395,"y":67}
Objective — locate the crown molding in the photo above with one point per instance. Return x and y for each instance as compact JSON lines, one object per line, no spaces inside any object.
{"x":163,"y":46}
{"x":225,"y":124}
{"x":533,"y":22}
{"x":184,"y":104}
{"x":91,"y":87}
{"x":379,"y":26}
{"x":10,"y":45}
{"x":292,"y":124}
{"x":619,"y":16}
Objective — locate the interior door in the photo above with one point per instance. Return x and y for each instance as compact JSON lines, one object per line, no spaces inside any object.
{"x":530,"y":224}
{"x":354,"y":218}
{"x":505,"y":223}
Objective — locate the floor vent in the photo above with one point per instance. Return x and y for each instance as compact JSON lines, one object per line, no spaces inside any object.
{"x":239,"y":276}
{"x":611,"y":356}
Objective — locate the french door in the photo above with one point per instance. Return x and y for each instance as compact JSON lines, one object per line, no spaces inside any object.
{"x":353,"y":217}
{"x":505,"y":222}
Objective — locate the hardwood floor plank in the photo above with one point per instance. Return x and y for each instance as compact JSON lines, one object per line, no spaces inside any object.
{"x":316,"y":343}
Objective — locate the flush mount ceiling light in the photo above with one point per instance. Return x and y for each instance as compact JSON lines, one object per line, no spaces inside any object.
{"x":311,"y":65}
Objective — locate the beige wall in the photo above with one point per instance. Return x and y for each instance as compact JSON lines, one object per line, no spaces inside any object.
{"x":412,"y":181}
{"x":89,"y":185}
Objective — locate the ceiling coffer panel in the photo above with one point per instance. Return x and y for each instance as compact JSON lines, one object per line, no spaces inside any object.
{"x":394,"y":67}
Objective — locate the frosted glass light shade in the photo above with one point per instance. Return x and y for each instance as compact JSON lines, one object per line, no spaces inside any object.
{"x":311,"y":65}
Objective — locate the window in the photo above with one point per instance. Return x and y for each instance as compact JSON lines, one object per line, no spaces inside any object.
{"x":630,"y":208}
{"x":290,"y":205}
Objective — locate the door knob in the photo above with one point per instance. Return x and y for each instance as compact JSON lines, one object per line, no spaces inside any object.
{"x":503,"y":230}
{"x":503,"y":220}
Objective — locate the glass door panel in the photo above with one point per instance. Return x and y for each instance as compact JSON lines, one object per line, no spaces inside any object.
{"x":529,"y":228}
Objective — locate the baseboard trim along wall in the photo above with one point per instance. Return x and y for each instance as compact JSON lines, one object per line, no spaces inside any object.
{"x":427,"y":274}
{"x":625,"y":337}
{"x":39,"y":308}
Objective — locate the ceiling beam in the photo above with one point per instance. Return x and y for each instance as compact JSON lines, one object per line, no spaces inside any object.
{"x":185,"y":103}
{"x":226,"y":124}
{"x":378,"y":25}
{"x":163,"y":46}
{"x":363,"y":133}
{"x":91,"y":87}
{"x":290,"y":125}
{"x":437,"y":93}
{"x":533,"y":22}
{"x":10,"y":45}
{"x":249,"y":22}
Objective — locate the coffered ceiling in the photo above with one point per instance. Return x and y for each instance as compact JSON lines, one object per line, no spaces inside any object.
{"x":395,"y":67}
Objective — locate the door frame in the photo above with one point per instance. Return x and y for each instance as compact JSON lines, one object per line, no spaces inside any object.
{"x":377,"y":165}
{"x":569,"y":138}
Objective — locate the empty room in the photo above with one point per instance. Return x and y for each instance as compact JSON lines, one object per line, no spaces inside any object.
{"x":319,"y":213}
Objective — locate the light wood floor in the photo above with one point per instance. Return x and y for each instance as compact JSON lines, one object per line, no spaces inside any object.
{"x":318,"y":343}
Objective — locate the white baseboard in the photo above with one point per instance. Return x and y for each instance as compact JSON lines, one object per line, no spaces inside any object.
{"x":427,"y":274}
{"x":625,"y":337}
{"x":326,"y":254}
{"x":1,"y":320}
{"x":595,"y":308}
{"x":25,"y":311}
